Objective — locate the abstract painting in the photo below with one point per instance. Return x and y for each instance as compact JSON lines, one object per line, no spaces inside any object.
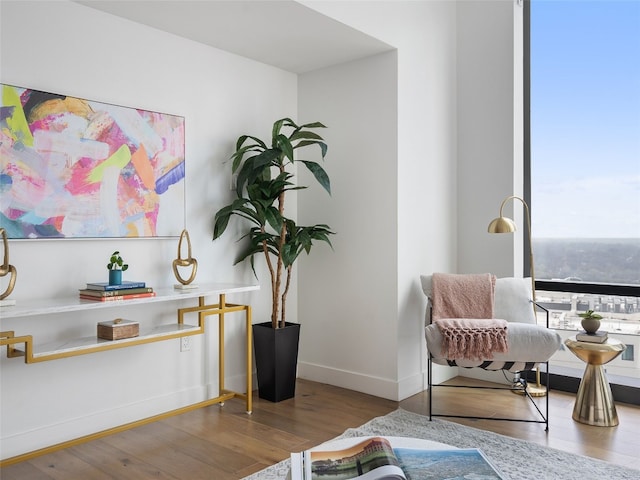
{"x":75,"y":168}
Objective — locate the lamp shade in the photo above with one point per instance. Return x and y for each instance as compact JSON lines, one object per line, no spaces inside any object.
{"x":502,"y":225}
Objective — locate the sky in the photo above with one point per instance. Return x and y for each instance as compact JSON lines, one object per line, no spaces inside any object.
{"x":585,"y":118}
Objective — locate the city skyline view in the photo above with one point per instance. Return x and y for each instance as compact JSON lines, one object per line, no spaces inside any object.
{"x":585,"y":119}
{"x":611,"y":261}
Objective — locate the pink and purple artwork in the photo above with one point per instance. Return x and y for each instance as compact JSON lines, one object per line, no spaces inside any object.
{"x":75,"y":168}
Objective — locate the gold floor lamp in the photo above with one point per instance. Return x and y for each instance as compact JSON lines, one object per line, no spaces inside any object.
{"x":504,"y":224}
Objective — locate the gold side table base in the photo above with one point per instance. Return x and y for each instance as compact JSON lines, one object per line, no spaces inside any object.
{"x":594,"y":402}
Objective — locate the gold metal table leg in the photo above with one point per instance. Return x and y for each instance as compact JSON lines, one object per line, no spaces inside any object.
{"x":249,"y":361}
{"x":221,"y":344}
{"x":594,"y":402}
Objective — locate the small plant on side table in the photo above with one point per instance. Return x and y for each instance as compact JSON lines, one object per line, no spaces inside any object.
{"x":590,"y":321}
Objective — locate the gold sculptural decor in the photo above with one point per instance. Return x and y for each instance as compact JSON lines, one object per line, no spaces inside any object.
{"x":185,"y":262}
{"x":7,"y":269}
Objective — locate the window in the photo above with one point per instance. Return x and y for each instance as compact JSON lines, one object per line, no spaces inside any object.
{"x":585,"y":140}
{"x":582,"y":155}
{"x":628,"y":354}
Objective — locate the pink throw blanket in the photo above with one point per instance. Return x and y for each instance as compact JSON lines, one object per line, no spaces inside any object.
{"x":463,"y":311}
{"x":462,"y":296}
{"x":471,"y":338}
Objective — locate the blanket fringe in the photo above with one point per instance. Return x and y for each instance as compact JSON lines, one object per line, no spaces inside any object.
{"x":475,"y":343}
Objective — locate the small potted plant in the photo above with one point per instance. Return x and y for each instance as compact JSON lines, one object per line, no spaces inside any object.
{"x":116,"y":266}
{"x":590,"y":321}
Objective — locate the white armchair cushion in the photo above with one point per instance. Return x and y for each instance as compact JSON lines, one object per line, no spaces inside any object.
{"x":527,"y":344}
{"x":513,"y":300}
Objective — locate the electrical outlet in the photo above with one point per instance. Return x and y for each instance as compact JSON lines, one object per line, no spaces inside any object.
{"x":185,"y":344}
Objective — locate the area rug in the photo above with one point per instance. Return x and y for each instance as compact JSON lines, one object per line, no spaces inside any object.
{"x":516,"y":459}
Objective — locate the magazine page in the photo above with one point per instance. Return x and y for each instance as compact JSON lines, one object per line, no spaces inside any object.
{"x":419,"y":464}
{"x":370,"y":459}
{"x":297,"y":469}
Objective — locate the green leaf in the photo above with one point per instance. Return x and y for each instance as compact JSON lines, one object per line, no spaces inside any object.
{"x":319,"y":173}
{"x":305,"y":134}
{"x":286,"y":122}
{"x":590,"y":314}
{"x":243,"y":138}
{"x":237,"y":157}
{"x":313,"y":125}
{"x":220,"y":225}
{"x":255,"y":167}
{"x":322,"y":145}
{"x":283,"y":143}
{"x":277,"y":127}
{"x":273,"y":217}
{"x":223,"y":215}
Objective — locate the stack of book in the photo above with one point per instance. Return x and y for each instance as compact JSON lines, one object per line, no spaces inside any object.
{"x":103,"y":292}
{"x":598,"y":337}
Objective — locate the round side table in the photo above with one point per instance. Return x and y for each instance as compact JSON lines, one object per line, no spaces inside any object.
{"x":594,"y":402}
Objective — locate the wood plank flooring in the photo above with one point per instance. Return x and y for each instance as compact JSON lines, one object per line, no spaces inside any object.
{"x":220,"y":443}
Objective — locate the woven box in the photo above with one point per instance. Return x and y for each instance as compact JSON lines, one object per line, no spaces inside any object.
{"x":118,"y":329}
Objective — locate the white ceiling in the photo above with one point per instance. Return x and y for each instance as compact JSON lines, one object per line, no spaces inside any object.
{"x":282,"y":33}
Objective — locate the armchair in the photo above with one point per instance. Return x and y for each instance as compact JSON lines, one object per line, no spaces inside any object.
{"x":529,"y":345}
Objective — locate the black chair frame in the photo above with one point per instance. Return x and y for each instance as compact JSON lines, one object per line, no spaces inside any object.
{"x":544,"y":417}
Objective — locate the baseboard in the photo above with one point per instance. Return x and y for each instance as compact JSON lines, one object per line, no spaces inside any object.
{"x":371,"y":385}
{"x":563,"y":383}
{"x":442,"y":373}
{"x":69,"y":430}
{"x":411,"y":385}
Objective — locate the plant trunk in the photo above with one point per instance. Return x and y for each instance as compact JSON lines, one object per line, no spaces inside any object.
{"x":274,"y":290}
{"x":284,"y":295}
{"x":278,"y":323}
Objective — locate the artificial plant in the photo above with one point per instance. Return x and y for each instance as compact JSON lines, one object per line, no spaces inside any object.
{"x":264,"y":176}
{"x":590,"y":314}
{"x":116,"y":262}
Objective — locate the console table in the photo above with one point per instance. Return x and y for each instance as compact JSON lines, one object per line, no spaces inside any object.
{"x":24,"y":346}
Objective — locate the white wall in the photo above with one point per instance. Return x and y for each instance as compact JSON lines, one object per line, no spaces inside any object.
{"x":67,"y":48}
{"x":406,"y":205}
{"x":399,"y":219}
{"x":490,"y":139}
{"x":459,"y":147}
{"x":490,"y":149}
{"x":348,"y":296}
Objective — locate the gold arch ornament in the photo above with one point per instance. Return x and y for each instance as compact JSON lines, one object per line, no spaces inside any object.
{"x":6,"y":268}
{"x":185,"y":262}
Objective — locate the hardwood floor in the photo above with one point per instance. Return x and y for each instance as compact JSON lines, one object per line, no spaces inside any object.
{"x":220,"y":443}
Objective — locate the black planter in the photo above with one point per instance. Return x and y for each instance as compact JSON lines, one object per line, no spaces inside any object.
{"x":276,"y":353}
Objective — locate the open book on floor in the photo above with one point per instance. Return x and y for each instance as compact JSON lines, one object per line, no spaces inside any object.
{"x":390,"y":458}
